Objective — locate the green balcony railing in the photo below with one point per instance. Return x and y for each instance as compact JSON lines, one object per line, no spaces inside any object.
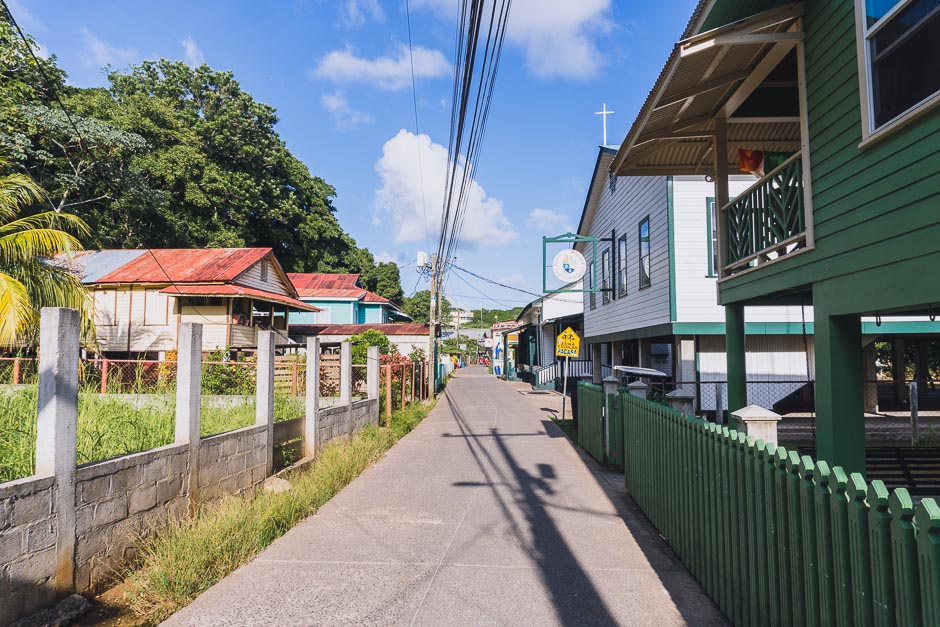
{"x":768,"y":220}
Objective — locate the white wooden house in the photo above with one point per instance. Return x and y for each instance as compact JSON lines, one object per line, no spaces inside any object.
{"x":142,"y":296}
{"x":657,"y":259}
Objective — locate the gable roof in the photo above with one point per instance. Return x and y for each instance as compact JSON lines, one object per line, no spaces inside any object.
{"x":183,"y":265}
{"x":605,"y":155}
{"x":313,"y":283}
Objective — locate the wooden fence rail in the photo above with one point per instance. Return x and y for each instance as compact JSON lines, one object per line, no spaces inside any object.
{"x":779,"y":539}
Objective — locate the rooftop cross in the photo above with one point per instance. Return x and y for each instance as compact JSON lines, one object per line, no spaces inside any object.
{"x":604,"y":113}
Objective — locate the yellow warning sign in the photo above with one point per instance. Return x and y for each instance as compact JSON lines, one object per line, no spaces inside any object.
{"x":568,"y":344}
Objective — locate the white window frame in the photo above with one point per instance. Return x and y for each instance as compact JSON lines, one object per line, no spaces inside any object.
{"x":863,"y":34}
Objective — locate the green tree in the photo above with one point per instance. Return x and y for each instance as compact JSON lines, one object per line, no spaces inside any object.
{"x":418,"y":306}
{"x":28,"y":282}
{"x":372,"y":337}
{"x":385,"y":280}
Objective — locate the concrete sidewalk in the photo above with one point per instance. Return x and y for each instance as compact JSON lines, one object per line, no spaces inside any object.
{"x":485,"y":514}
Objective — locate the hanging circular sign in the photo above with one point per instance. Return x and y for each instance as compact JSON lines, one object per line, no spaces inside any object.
{"x":569,"y":265}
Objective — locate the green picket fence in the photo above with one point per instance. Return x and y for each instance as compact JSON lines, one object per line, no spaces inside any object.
{"x":779,"y":539}
{"x":591,"y":419}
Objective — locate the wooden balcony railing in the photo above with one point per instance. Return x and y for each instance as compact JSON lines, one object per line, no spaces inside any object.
{"x":768,"y":220}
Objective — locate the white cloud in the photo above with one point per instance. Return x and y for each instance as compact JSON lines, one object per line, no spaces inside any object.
{"x":548,"y":222}
{"x":344,"y":116}
{"x":557,"y":37}
{"x":407,"y":193}
{"x":97,"y":53}
{"x":354,"y":13}
{"x":389,"y":72}
{"x":386,"y":257}
{"x":192,"y":53}
{"x":23,"y":16}
{"x":514,"y":280}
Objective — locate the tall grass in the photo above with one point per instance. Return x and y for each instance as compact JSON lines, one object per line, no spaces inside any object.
{"x":183,"y":560}
{"x":110,"y":427}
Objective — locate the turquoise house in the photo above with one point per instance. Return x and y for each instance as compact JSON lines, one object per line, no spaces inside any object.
{"x":342,"y":300}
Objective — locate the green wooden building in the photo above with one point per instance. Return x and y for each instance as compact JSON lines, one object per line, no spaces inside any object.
{"x":839,"y":100}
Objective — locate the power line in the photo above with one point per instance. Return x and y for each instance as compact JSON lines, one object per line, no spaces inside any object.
{"x":81,"y":140}
{"x":465,"y":141}
{"x":492,"y":282}
{"x":414,"y":98}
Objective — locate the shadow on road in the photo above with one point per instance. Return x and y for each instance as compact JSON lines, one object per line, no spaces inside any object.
{"x":575,"y":598}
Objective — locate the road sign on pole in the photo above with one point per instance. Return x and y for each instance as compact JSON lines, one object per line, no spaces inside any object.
{"x":568,"y":344}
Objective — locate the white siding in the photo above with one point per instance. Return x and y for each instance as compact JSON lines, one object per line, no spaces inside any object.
{"x":776,"y":368}
{"x":622,"y":211}
{"x":128,"y":311}
{"x":214,"y":321}
{"x":696,"y":292}
{"x":274,"y":283}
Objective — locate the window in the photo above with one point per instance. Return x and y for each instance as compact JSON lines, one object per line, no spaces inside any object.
{"x":622,"y":266}
{"x":605,"y":276}
{"x":644,"y":232}
{"x":264,"y":269}
{"x":105,"y":308}
{"x":590,"y":278}
{"x":156,"y":308}
{"x":899,"y":59}
{"x":711,"y":236}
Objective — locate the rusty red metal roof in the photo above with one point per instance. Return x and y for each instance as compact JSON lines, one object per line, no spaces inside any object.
{"x":407,"y":328}
{"x":311,"y":283}
{"x":186,"y":265}
{"x":372,"y":297}
{"x":237,"y":291}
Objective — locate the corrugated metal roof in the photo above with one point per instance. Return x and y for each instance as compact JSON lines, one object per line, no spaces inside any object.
{"x":237,"y":291}
{"x":692,"y":89}
{"x":90,"y":265}
{"x":307,"y":282}
{"x":410,"y":328}
{"x":184,"y":265}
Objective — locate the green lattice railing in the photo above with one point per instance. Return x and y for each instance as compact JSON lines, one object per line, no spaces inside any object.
{"x":768,"y":220}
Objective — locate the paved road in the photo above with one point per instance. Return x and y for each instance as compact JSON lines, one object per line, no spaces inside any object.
{"x":485,"y":514}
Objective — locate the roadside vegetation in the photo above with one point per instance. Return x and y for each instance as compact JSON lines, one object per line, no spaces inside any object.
{"x":181,"y":561}
{"x":111,"y":427}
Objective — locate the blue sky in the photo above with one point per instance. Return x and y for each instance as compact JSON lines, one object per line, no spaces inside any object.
{"x":338,"y":73}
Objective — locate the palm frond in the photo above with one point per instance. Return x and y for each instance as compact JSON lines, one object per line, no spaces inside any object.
{"x":47,"y":220}
{"x":23,"y":246}
{"x":16,"y":312}
{"x":17,"y":191}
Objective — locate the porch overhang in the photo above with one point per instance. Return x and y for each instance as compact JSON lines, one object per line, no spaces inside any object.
{"x":712,"y":75}
{"x":238,"y":291}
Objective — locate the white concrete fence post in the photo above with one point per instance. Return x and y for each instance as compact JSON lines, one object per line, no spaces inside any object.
{"x":345,"y":380}
{"x":345,"y":373}
{"x":188,"y":391}
{"x":264,"y":390}
{"x":311,"y":422}
{"x":59,"y":331}
{"x":758,"y":422}
{"x":374,"y":362}
{"x":373,"y":376}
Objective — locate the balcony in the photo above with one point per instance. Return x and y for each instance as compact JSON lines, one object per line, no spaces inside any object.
{"x":767,"y":222}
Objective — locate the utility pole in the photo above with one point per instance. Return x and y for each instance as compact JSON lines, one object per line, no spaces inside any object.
{"x":432,"y":335}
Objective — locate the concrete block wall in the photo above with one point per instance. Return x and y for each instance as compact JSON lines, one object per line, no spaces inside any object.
{"x":232,"y":462}
{"x":342,"y":421}
{"x":121,"y":500}
{"x":27,"y":546}
{"x":69,"y":529}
